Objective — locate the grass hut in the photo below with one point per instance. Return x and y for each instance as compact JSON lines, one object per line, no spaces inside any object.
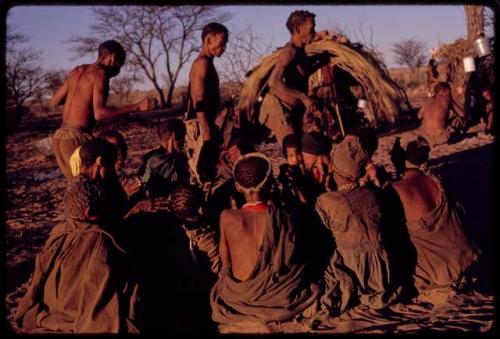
{"x":386,"y":100}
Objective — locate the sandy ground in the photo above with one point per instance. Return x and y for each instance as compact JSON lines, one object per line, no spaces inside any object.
{"x":35,"y":189}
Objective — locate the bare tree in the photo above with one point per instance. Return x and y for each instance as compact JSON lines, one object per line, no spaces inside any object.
{"x":157,"y":39}
{"x":410,"y":53}
{"x":245,"y":48}
{"x":54,"y":79}
{"x":24,"y":77}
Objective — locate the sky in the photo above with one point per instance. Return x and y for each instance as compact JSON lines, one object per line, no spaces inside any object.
{"x":49,"y":26}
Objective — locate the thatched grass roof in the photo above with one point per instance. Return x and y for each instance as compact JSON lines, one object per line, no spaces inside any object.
{"x":386,"y":99}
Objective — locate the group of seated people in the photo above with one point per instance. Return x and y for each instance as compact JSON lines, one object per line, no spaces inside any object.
{"x":329,"y":231}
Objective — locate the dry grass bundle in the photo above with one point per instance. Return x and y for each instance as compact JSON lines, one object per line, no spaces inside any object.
{"x":385,"y":97}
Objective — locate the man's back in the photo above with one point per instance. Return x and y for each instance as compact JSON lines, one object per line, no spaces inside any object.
{"x":434,"y":115}
{"x":419,"y":195}
{"x":78,"y":108}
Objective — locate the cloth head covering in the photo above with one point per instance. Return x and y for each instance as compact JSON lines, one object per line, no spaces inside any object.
{"x":349,"y":158}
{"x":316,"y":143}
{"x":259,"y":186}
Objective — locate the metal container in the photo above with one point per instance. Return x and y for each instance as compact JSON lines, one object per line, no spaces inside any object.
{"x":469,"y":64}
{"x":482,"y":46}
{"x":362,"y":103}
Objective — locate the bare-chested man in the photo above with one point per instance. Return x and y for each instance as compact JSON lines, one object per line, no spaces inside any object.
{"x":443,"y":251}
{"x":434,"y":114}
{"x":84,"y":95}
{"x":283,"y":108}
{"x":204,"y":99}
{"x":262,"y":277}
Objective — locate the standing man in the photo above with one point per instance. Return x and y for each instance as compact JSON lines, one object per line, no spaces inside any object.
{"x":202,"y":140}
{"x":84,"y":95}
{"x":282,"y":110}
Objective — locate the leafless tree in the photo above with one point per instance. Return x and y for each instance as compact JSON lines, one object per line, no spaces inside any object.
{"x":54,"y":79}
{"x":158,"y":39}
{"x":410,"y":53}
{"x":25,"y":78}
{"x":244,"y":50}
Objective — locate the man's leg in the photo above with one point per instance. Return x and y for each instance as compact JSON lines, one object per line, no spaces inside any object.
{"x":65,"y":142}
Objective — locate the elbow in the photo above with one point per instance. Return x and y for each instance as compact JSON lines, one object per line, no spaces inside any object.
{"x":99,"y":115}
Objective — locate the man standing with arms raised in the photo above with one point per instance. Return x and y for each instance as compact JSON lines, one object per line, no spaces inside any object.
{"x":84,"y":95}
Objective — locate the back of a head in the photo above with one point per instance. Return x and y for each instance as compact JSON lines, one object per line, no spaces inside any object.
{"x":112,"y":47}
{"x":349,"y":158}
{"x":83,"y":196}
{"x":95,"y":148}
{"x":185,"y":201}
{"x":252,"y":170}
{"x":298,"y":18}
{"x":212,"y":29}
{"x":417,"y":151}
{"x":291,"y":141}
{"x":170,"y":127}
{"x":117,"y":139}
{"x":316,"y":143}
{"x":368,"y":138}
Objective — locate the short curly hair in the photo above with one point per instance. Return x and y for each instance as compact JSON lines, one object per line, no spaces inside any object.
{"x":185,"y":201}
{"x":251,"y":171}
{"x":298,"y":18}
{"x":97,"y":147}
{"x":83,"y":193}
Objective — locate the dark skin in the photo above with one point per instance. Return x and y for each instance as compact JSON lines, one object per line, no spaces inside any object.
{"x":435,"y":112}
{"x":302,"y":35}
{"x":418,"y":193}
{"x":241,"y":236}
{"x":203,"y":77}
{"x":85,"y":92}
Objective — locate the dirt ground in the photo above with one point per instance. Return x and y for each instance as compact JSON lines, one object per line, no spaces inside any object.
{"x":35,"y":188}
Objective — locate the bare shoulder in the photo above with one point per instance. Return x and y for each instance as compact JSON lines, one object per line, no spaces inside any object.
{"x":200,"y":62}
{"x":229,"y":217}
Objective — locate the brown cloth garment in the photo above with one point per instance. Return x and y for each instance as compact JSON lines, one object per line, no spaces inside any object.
{"x":360,"y":264}
{"x":79,"y":284}
{"x":65,"y":141}
{"x":276,"y":290}
{"x":443,"y":250}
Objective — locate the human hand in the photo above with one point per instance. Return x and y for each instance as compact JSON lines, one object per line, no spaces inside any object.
{"x":147,"y":104}
{"x":132,"y":186}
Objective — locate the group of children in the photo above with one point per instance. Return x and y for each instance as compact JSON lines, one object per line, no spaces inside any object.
{"x":328,"y":232}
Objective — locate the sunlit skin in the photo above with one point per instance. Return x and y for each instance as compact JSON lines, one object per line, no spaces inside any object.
{"x":203,"y":74}
{"x":293,"y":157}
{"x":85,"y":92}
{"x":434,"y":113}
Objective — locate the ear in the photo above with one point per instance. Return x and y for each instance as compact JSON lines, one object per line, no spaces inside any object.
{"x":90,"y":214}
{"x":98,"y":161}
{"x":238,"y":187}
{"x":209,"y":39}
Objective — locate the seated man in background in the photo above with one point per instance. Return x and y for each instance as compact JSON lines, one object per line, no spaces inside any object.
{"x":442,"y":249}
{"x":359,"y":266}
{"x":262,"y":277}
{"x":435,"y":115}
{"x":166,"y":166}
{"x":81,"y":282}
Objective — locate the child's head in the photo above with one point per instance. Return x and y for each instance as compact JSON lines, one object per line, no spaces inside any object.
{"x":252,"y":172}
{"x":172,"y":133}
{"x":83,"y":199}
{"x":315,"y":146}
{"x":98,"y":158}
{"x":117,"y":139}
{"x":186,"y":202}
{"x":292,"y":150}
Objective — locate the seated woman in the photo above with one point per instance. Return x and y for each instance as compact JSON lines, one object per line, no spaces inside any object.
{"x":443,"y":251}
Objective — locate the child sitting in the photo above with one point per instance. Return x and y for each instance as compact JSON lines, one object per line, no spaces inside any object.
{"x":291,"y":174}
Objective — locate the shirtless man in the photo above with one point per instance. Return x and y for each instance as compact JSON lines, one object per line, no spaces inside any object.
{"x":84,"y":95}
{"x":283,"y":109}
{"x":443,"y":251}
{"x":262,"y":277}
{"x":434,"y":114}
{"x":204,"y":99}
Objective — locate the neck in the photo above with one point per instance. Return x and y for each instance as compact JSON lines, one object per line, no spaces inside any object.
{"x":206,"y":53}
{"x":252,"y":197}
{"x":411,"y":172}
{"x":341,"y":181}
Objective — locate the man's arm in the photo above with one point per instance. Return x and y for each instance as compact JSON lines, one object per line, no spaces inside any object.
{"x":101,"y":111}
{"x":60,"y":96}
{"x":288,"y":95}
{"x":223,"y":250}
{"x":197,"y":84}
